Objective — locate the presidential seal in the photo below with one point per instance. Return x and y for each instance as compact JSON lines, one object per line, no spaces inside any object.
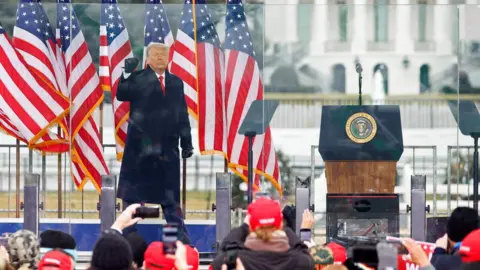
{"x":361,"y":127}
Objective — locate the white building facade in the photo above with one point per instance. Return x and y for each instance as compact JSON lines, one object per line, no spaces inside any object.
{"x":413,"y":43}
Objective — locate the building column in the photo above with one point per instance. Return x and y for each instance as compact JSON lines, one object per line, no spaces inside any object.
{"x":319,"y":29}
{"x":359,"y":37}
{"x":444,"y":20}
{"x":275,"y":13}
{"x":404,"y":42}
{"x":291,"y":25}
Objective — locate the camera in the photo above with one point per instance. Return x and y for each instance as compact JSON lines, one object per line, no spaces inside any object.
{"x":231,"y":255}
{"x":305,"y":234}
{"x":147,"y":212}
{"x":170,"y":237}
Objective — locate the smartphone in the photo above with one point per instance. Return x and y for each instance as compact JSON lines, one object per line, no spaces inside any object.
{"x":401,"y":249}
{"x":397,"y":242}
{"x":147,"y":212}
{"x":230,"y":259}
{"x":305,"y":234}
{"x":366,"y":255}
{"x":170,"y":237}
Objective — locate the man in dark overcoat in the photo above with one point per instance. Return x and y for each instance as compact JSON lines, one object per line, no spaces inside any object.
{"x":150,"y":170}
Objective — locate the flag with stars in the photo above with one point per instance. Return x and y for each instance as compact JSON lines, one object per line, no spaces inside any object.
{"x":115,"y":47}
{"x":85,"y":95}
{"x":199,"y":61}
{"x":33,"y":37}
{"x":157,"y":28}
{"x":243,"y":85}
{"x":24,"y":103}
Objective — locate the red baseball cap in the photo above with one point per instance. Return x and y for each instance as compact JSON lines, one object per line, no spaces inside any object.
{"x":156,"y":259}
{"x":57,"y":260}
{"x":470,"y":248}
{"x":339,"y":252}
{"x":193,"y":259}
{"x":265,"y":212}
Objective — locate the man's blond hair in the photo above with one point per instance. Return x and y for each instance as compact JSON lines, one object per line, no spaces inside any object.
{"x":156,"y":45}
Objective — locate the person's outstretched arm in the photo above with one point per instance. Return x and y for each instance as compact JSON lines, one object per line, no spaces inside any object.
{"x":126,"y":85}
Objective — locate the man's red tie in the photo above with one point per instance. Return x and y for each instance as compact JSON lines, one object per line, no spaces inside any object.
{"x":162,"y":85}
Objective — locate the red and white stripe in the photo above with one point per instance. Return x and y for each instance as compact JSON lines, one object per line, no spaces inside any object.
{"x":9,"y":128}
{"x":211,"y":97}
{"x":64,"y":123}
{"x":183,"y":64}
{"x":112,"y":61}
{"x":88,"y":155}
{"x":243,"y":86}
{"x":85,"y":96}
{"x":40,"y":59}
{"x":31,"y":106}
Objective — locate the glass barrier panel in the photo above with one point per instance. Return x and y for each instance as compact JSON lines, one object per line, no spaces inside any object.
{"x":464,"y":108}
{"x":313,"y":59}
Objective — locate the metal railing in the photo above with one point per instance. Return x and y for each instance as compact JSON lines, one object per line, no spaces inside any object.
{"x":463,"y":164}
{"x":201,"y":173}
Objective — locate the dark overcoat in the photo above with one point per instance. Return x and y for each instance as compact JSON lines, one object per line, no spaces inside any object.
{"x":150,"y":170}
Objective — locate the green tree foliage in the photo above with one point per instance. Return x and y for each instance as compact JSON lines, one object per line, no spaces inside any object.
{"x":461,"y":168}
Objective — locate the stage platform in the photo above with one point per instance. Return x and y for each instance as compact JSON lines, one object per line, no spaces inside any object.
{"x":86,"y":231}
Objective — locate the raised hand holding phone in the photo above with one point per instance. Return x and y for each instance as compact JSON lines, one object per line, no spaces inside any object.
{"x":127,"y":218}
{"x":147,"y":212}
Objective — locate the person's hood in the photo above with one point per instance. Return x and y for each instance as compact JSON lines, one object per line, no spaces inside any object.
{"x":271,"y":260}
{"x":278,"y":242}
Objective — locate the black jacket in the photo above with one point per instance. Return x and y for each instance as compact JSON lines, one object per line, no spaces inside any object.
{"x":150,"y":170}
{"x":297,"y":257}
{"x":441,"y":260}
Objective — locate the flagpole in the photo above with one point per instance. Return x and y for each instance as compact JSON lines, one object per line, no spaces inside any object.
{"x":59,"y":177}
{"x":225,"y":165}
{"x":100,"y":130}
{"x":17,"y":178}
{"x":101,"y":122}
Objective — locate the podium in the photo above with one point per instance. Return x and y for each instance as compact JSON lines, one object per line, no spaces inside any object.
{"x":361,"y":146}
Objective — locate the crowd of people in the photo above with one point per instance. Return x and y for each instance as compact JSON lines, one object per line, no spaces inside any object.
{"x":266,"y":240}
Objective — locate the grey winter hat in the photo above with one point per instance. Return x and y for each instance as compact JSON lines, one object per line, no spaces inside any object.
{"x":24,"y":249}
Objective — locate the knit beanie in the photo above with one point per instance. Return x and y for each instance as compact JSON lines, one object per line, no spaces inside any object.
{"x":57,"y":239}
{"x":23,"y":249}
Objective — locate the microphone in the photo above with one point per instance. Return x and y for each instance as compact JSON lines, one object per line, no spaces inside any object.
{"x":358,"y":68}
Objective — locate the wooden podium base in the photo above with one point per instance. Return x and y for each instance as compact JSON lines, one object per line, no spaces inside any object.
{"x":360,"y":176}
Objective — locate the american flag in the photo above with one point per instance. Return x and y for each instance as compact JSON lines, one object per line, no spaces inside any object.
{"x":202,"y":70}
{"x":85,"y":96}
{"x":33,"y":37}
{"x":28,"y":106}
{"x":114,"y":49}
{"x":183,"y":59}
{"x":157,"y":28}
{"x":243,"y":85}
{"x":9,"y":128}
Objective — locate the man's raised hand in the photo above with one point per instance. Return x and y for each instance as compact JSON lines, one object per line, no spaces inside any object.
{"x":130,"y":64}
